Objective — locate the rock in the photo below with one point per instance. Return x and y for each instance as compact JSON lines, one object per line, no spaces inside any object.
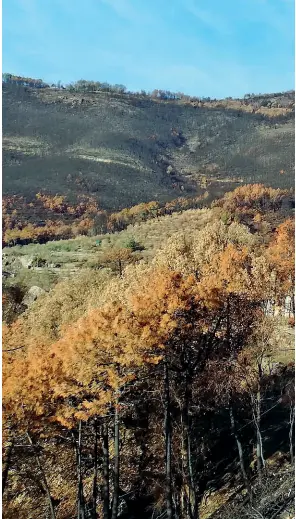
{"x":26,"y":261}
{"x":32,"y":294}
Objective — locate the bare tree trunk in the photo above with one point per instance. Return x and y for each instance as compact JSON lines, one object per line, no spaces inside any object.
{"x":176,"y":501}
{"x":80,"y":499}
{"x":184,"y":491}
{"x":291,"y":431}
{"x":240,"y":453}
{"x":116,"y":462}
{"x":6,"y":464}
{"x":257,"y":421}
{"x":168,"y":441}
{"x":95,"y":480}
{"x":259,"y":446}
{"x":106,"y":489}
{"x":183,"y":502}
{"x":192,"y":502}
{"x":47,"y":490}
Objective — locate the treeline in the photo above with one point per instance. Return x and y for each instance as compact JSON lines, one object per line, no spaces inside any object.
{"x":13,"y":79}
{"x":165,"y":95}
{"x":86,"y":218}
{"x":277,"y":100}
{"x":47,"y":218}
{"x":83,"y":85}
{"x":139,"y":395}
{"x":247,"y":204}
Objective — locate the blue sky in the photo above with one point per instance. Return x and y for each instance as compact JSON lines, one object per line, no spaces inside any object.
{"x":211,"y":48}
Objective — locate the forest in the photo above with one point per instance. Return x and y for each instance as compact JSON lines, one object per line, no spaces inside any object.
{"x":54,"y":218}
{"x":50,"y":217}
{"x":163,"y":388}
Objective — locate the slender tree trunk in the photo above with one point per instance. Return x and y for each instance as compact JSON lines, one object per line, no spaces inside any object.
{"x":192,"y":503}
{"x":257,"y":422}
{"x":183,"y":502}
{"x":106,"y":489}
{"x":168,"y":441}
{"x":259,"y":447}
{"x":228,"y":323}
{"x":291,"y":431}
{"x":116,"y":462}
{"x":6,"y":464}
{"x":293,"y":304}
{"x":184,"y":498}
{"x":177,"y":504}
{"x":47,"y":490}
{"x":240,"y":453}
{"x":95,"y":481}
{"x":184,"y":490}
{"x":193,"y":494}
{"x":80,"y":503}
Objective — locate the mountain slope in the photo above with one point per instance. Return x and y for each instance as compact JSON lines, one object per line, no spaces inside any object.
{"x":126,"y":149}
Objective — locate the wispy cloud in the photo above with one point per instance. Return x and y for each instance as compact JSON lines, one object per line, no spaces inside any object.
{"x":127,"y":11}
{"x":276,"y":14}
{"x":123,"y":8}
{"x":28,"y":18}
{"x":207,"y":17}
{"x":222,"y":47}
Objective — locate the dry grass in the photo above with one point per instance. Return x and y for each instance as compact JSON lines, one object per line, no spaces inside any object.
{"x":284,"y":342}
{"x":25,"y":145}
{"x":153,"y":233}
{"x":216,"y":500}
{"x":84,"y":252}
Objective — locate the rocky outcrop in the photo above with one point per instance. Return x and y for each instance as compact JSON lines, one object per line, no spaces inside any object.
{"x":32,"y":294}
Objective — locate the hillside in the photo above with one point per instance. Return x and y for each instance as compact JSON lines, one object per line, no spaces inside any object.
{"x":143,"y":231}
{"x":148,"y":304}
{"x":191,"y":291}
{"x":123,"y":149}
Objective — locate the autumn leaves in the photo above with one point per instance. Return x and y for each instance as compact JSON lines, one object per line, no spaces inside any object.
{"x":112,"y":343}
{"x":180,"y":329}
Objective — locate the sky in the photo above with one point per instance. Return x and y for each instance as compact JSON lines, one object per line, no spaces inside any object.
{"x":215,"y":48}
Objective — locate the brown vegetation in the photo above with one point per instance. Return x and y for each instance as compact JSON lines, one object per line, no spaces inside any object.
{"x":124,"y":389}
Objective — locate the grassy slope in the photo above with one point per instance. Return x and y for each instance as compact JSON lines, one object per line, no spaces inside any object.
{"x":118,"y":148}
{"x":82,"y":252}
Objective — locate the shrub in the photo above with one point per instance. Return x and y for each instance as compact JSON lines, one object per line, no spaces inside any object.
{"x":38,"y":262}
{"x":133,"y":245}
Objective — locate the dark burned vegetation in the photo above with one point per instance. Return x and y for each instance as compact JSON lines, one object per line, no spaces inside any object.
{"x":125,"y":149}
